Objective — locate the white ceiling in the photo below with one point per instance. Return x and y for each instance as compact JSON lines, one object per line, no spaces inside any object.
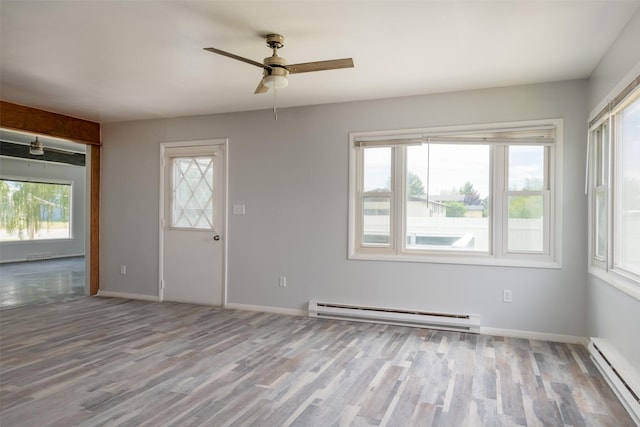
{"x":113,"y":60}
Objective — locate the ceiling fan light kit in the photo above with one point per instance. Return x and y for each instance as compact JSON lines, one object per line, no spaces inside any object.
{"x":275,"y":81}
{"x":275,"y":68}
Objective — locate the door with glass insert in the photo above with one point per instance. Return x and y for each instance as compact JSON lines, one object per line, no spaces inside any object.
{"x":192,"y":224}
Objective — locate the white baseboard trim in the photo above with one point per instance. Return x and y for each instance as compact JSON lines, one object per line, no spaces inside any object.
{"x":12,"y":261}
{"x":531,"y":335}
{"x":126,"y":295}
{"x":52,"y":257}
{"x":267,"y":309}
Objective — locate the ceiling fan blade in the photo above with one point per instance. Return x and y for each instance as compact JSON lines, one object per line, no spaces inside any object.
{"x":261,"y":88}
{"x":332,"y":64}
{"x":234,"y":56}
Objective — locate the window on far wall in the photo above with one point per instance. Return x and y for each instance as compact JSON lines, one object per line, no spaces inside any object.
{"x":614,"y":190}
{"x":34,"y":210}
{"x":476,"y":195}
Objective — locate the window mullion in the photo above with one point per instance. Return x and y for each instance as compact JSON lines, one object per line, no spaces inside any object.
{"x":359,"y":198}
{"x":598,"y":181}
{"x":399,"y":198}
{"x":549,"y":200}
{"x":500,"y":207}
{"x":599,"y":192}
{"x":546,"y":222}
{"x":611,"y":194}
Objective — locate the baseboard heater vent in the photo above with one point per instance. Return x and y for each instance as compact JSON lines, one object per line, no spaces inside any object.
{"x":628,"y":397}
{"x":395,"y":316}
{"x":39,"y":256}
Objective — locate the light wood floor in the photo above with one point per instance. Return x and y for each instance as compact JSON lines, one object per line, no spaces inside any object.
{"x":100,"y":361}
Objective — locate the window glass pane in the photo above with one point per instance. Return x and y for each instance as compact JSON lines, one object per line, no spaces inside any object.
{"x":601,"y":223}
{"x":525,"y":223}
{"x":628,"y":209}
{"x":447,"y":197}
{"x":597,"y":163}
{"x":602,"y":155}
{"x":377,"y":169}
{"x":376,"y":228}
{"x":526,"y":168}
{"x":192,"y":204}
{"x":34,"y":210}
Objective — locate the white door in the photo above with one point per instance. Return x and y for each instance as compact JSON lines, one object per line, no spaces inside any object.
{"x":192,"y":254}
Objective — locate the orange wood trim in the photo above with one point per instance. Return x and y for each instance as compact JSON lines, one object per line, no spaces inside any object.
{"x":94,"y":238}
{"x":33,"y":120}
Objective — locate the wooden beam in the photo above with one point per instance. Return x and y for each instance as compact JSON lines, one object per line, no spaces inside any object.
{"x":94,"y":238}
{"x":33,"y":120}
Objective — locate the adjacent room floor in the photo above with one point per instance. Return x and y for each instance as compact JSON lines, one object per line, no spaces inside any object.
{"x":36,"y":282}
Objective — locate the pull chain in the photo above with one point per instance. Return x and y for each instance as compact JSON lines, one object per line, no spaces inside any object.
{"x":275,"y":99}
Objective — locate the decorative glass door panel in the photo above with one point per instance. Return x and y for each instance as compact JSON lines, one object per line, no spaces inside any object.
{"x":192,"y":192}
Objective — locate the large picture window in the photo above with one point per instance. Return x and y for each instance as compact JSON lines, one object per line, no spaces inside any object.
{"x":446,"y":197}
{"x":34,"y":210}
{"x":614,"y":192}
{"x":480,"y":195}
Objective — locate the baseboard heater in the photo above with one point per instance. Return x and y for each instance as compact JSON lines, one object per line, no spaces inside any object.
{"x":628,"y":397}
{"x":395,"y":316}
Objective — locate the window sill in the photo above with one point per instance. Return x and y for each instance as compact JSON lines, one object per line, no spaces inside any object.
{"x":622,"y":283}
{"x":20,"y":242}
{"x":475,"y":260}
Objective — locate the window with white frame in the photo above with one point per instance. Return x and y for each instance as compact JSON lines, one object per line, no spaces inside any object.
{"x":32,"y":210}
{"x":614,"y":190}
{"x":475,"y":195}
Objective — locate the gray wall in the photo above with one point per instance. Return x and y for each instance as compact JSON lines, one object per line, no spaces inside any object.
{"x":619,"y":60}
{"x":292,"y":174}
{"x":613,"y":315}
{"x":19,"y":168}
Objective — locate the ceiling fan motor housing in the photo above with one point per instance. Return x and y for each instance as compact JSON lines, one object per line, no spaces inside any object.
{"x":275,"y":66}
{"x":275,"y":41}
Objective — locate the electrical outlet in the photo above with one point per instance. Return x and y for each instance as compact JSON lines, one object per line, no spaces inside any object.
{"x":283,"y":281}
{"x":506,"y":295}
{"x":123,"y":269}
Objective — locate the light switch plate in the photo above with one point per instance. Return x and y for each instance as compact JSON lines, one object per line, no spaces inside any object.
{"x":238,"y":209}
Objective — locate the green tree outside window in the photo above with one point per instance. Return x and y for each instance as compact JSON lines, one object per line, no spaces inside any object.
{"x":29,"y":208}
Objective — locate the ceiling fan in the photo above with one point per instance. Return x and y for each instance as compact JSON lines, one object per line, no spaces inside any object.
{"x":37,"y":148}
{"x":275,"y":68}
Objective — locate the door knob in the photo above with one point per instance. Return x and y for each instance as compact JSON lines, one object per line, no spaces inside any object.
{"x":216,"y":237}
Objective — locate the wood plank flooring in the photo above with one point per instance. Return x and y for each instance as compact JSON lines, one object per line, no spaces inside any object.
{"x":103,"y":362}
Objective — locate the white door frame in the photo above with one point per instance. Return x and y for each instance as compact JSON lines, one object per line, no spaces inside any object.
{"x":225,"y":232}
